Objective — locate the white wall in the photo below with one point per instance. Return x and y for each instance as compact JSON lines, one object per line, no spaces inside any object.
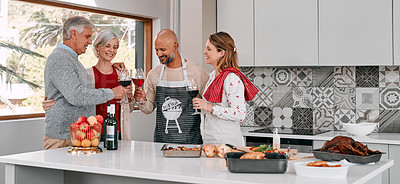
{"x":209,"y":27}
{"x":142,"y":126}
{"x":197,"y":22}
{"x":191,"y":30}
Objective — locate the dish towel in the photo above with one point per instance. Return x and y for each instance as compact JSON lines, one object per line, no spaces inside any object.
{"x":215,"y":90}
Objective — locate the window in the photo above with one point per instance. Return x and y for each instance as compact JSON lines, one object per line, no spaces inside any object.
{"x":31,"y":29}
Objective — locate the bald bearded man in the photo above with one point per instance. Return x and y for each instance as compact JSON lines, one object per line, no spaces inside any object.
{"x":165,"y":89}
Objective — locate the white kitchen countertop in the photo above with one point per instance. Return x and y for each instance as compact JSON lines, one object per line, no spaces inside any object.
{"x":145,"y":160}
{"x":378,"y":138}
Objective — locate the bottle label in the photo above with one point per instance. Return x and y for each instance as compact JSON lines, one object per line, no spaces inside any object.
{"x":110,"y":133}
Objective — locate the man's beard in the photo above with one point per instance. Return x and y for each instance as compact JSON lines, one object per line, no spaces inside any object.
{"x":170,"y":58}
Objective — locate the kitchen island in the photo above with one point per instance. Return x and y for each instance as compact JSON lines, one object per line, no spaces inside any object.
{"x":143,"y":162}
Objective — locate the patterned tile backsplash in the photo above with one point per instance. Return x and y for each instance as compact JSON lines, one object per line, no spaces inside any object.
{"x":325,"y":97}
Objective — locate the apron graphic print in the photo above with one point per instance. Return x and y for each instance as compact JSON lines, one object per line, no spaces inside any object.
{"x":172,"y":110}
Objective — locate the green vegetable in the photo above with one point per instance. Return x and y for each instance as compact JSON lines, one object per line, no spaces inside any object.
{"x":263,"y":148}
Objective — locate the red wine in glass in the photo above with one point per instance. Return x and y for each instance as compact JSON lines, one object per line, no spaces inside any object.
{"x":193,"y":93}
{"x":138,"y":82}
{"x":193,"y":90}
{"x":124,"y":79}
{"x":125,"y":83}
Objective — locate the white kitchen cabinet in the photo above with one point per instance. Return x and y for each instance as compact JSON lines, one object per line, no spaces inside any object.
{"x":286,"y":33}
{"x":355,"y":32}
{"x":383,"y":148}
{"x":394,"y":153}
{"x":236,"y":18}
{"x":318,"y":144}
{"x":396,"y":32}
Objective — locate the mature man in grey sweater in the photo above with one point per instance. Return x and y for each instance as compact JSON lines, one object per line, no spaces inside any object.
{"x":67,"y":82}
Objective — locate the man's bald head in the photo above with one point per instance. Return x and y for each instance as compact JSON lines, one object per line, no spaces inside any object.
{"x":167,"y":35}
{"x":166,"y":45}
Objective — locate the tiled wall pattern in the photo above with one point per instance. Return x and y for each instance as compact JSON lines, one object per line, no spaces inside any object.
{"x":325,"y":97}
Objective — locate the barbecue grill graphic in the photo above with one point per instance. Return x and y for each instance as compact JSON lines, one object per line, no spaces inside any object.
{"x":172,"y":110}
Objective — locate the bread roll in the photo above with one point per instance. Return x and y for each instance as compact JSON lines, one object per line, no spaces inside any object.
{"x":210,"y":150}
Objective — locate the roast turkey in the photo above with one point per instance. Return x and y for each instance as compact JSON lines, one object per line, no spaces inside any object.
{"x":347,"y":145}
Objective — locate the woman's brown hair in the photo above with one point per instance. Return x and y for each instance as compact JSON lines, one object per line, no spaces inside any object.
{"x":223,"y":41}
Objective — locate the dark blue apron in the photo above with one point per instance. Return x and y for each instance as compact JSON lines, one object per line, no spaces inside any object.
{"x":175,"y":124}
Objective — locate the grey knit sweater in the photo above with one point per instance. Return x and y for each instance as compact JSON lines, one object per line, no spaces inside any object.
{"x":67,"y":82}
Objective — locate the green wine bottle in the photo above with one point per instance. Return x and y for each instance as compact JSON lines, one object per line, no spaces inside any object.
{"x":111,"y":130}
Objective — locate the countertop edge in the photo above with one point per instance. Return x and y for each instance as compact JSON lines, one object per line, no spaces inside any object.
{"x":375,"y":173}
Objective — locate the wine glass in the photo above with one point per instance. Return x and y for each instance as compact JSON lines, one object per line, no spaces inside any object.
{"x":124,"y":79}
{"x":193,"y":90}
{"x":138,"y":79}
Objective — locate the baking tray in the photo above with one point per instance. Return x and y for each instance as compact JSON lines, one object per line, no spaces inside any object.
{"x":181,"y":154}
{"x":275,"y":163}
{"x":328,"y":156}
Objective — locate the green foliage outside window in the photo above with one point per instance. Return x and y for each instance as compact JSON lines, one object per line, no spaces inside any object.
{"x":40,"y":29}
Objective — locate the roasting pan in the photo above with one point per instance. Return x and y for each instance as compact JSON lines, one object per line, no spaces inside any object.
{"x":276,"y":163}
{"x":328,"y":156}
{"x":187,"y":154}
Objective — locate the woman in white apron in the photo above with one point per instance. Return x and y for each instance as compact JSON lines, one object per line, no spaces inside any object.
{"x":223,"y":105}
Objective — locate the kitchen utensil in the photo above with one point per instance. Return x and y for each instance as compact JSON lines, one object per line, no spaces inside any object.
{"x":179,"y":153}
{"x":235,"y":148}
{"x":320,"y":172}
{"x":275,"y":163}
{"x":328,"y":156}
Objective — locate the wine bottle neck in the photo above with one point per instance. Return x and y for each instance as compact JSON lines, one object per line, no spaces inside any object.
{"x":111,"y":109}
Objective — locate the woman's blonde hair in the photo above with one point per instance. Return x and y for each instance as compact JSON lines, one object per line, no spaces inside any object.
{"x":223,"y":41}
{"x":102,"y":39}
